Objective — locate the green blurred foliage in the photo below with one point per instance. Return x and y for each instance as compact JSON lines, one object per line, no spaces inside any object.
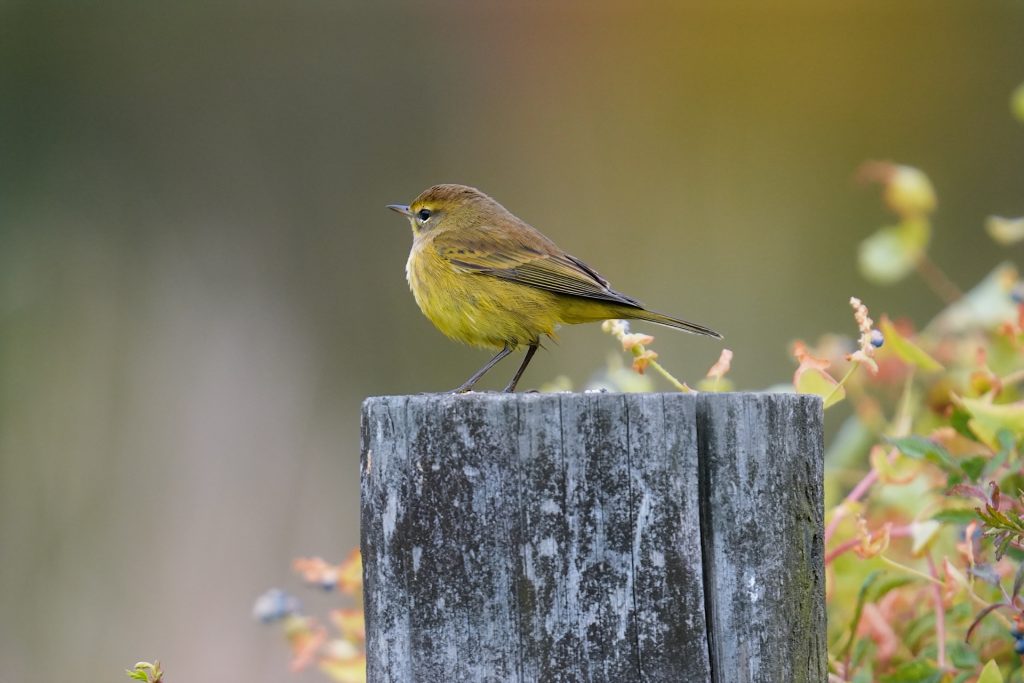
{"x":198,"y":282}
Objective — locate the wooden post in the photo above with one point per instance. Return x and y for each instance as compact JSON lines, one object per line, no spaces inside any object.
{"x":593,"y":537}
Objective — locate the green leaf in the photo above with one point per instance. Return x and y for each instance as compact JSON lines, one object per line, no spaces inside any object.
{"x":974,"y":467}
{"x":864,"y":654}
{"x":1017,"y":102}
{"x":711,"y":385}
{"x":959,"y":421}
{"x":963,"y":656}
{"x":1007,"y":441}
{"x":923,"y":533}
{"x":917,"y":631}
{"x":907,"y":350}
{"x":988,"y":419}
{"x":865,"y":675}
{"x":1005,"y":231}
{"x":991,"y":673}
{"x":1018,"y":580}
{"x":920,"y":448}
{"x":1013,"y":481}
{"x":888,"y":582}
{"x":914,"y":672}
{"x":986,"y":573}
{"x":850,"y":443}
{"x":814,"y":381}
{"x":909,"y":192}
{"x":887,"y":256}
{"x":961,"y":517}
{"x":861,"y":599}
{"x":144,"y":671}
{"x":982,"y":308}
{"x":1007,"y":445}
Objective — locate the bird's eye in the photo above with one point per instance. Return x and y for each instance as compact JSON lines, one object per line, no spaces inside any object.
{"x":423,"y":214}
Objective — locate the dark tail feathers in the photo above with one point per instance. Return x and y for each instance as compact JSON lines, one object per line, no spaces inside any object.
{"x":692,"y":328}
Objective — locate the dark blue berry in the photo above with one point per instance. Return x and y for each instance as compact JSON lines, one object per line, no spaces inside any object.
{"x":274,"y":605}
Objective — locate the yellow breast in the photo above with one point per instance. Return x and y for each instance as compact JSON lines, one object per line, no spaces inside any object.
{"x":478,"y":309}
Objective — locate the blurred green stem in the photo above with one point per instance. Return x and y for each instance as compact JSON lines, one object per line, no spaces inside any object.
{"x":670,"y":377}
{"x":853,"y":366}
{"x":940,"y":614}
{"x":937,"y":280}
{"x":909,"y":570}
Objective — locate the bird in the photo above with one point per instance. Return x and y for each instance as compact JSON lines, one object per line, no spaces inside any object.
{"x":486,"y":278}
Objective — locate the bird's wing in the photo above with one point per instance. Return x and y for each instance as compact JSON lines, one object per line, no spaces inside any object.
{"x":541,"y":265}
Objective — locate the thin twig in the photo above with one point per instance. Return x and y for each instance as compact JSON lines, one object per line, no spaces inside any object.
{"x":671,"y":379}
{"x":1013,"y":378}
{"x":909,"y":570}
{"x":940,"y":614}
{"x":840,"y":549}
{"x":856,"y":494}
{"x":853,"y":366}
{"x":845,"y":546}
{"x":937,"y":280}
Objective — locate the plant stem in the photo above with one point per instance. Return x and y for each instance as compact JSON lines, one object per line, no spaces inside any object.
{"x":853,"y":366}
{"x":940,"y":614}
{"x":1013,"y":377}
{"x":853,"y":496}
{"x":910,"y":570}
{"x":896,"y":532}
{"x":639,"y":349}
{"x":671,"y":379}
{"x":937,"y":280}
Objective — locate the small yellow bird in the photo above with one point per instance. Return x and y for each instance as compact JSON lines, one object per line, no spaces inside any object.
{"x":486,"y":278}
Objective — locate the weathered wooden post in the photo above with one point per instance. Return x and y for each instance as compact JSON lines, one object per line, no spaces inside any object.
{"x":593,"y":537}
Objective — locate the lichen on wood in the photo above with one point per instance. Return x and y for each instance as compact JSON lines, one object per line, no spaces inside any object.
{"x":593,"y":537}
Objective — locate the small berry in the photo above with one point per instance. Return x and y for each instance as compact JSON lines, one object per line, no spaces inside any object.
{"x":877,"y":339}
{"x":1016,"y":632}
{"x":273,"y":605}
{"x":1017,"y":294}
{"x":1018,"y":647}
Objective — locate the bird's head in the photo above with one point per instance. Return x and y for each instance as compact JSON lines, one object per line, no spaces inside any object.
{"x":448,"y":207}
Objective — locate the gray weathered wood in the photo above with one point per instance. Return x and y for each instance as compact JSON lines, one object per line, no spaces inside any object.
{"x":761,"y":461}
{"x":593,"y":537}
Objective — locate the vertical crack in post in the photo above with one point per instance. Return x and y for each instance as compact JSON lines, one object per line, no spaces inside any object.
{"x":412,"y":502}
{"x":634,"y":620}
{"x":706,"y":540}
{"x":570,"y":542}
{"x":516,"y":465}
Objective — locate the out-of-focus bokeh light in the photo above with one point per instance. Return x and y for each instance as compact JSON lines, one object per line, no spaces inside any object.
{"x":199,"y":282}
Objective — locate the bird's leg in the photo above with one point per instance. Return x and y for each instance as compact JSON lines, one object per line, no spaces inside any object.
{"x":468,"y":384}
{"x":522,"y":368}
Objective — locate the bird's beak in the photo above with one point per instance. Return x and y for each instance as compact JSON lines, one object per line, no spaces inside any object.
{"x":400,"y":208}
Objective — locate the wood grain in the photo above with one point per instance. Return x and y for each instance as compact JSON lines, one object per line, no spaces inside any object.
{"x":593,"y":537}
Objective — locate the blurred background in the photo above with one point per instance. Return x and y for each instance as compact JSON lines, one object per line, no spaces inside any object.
{"x":199,"y":282}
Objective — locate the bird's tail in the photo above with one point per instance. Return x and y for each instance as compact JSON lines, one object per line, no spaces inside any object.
{"x":667,"y":321}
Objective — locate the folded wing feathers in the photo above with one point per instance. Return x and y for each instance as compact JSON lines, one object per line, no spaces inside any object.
{"x":562,"y":274}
